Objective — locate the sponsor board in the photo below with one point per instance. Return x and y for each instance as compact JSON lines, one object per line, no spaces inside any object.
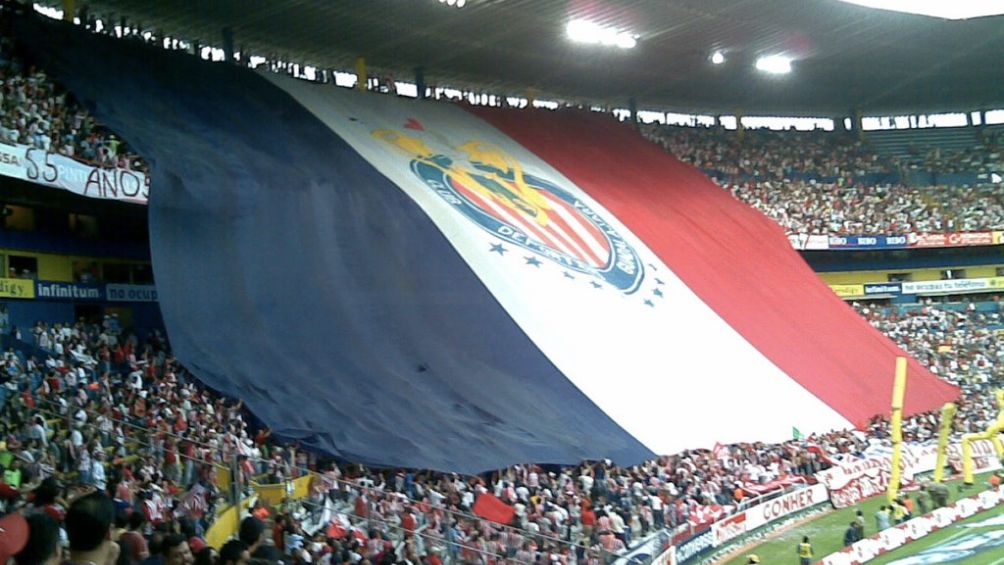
{"x":912,"y":530}
{"x":848,"y":290}
{"x":729,"y":528}
{"x":959,"y":239}
{"x":806,"y":242}
{"x":883,"y":288}
{"x":645,"y":551}
{"x":131,"y":293}
{"x":667,"y":557}
{"x":867,"y":241}
{"x":17,"y":288}
{"x":785,"y":505}
{"x":45,"y":290}
{"x":695,"y":546}
{"x":946,"y":286}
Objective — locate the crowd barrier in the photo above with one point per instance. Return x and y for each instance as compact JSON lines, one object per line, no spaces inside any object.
{"x":687,"y":544}
{"x":276,"y":494}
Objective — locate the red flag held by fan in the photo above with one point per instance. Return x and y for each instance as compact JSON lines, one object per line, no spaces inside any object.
{"x":489,"y":507}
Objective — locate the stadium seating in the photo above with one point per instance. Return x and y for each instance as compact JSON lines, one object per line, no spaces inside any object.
{"x":156,"y":439}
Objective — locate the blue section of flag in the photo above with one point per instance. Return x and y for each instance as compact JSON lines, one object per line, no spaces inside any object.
{"x":294,"y":276}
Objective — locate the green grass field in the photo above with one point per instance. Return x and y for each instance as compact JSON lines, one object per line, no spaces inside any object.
{"x":826,"y":532}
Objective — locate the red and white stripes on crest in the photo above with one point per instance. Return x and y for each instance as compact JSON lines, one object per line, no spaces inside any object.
{"x":565,"y":231}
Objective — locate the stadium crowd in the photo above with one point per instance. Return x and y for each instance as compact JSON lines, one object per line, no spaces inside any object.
{"x":961,"y":346}
{"x":816,"y":208}
{"x":825,"y":183}
{"x":34,"y":111}
{"x":90,"y":407}
{"x":105,"y":433}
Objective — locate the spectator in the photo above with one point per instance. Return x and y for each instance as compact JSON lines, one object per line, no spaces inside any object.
{"x":140,"y":551}
{"x":42,"y":547}
{"x":234,"y":552}
{"x":174,"y":550}
{"x":250,"y":534}
{"x":89,"y":527}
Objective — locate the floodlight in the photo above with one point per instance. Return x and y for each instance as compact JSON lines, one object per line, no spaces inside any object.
{"x":774,"y":64}
{"x":717,"y":58}
{"x":583,"y":31}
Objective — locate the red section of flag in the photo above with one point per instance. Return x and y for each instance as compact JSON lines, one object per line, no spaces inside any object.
{"x":738,"y":261}
{"x":489,"y":507}
{"x":412,"y":123}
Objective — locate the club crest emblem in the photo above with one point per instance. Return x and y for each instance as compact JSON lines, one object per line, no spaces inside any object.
{"x":490,"y":188}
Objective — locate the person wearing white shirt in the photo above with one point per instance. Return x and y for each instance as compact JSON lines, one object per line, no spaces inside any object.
{"x":76,"y":438}
{"x":98,"y":471}
{"x":523,"y":493}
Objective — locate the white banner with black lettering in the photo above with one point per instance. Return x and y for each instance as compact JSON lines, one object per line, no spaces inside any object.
{"x":58,"y":171}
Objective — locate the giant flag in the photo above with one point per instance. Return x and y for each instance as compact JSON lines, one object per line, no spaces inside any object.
{"x":413,"y":283}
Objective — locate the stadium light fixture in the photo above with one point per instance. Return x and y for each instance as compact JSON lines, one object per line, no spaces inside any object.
{"x":582,"y":31}
{"x":718,"y":57}
{"x":454,"y":3}
{"x":774,"y":64}
{"x":937,"y":8}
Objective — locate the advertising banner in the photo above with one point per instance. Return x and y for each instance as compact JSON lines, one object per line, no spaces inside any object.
{"x":58,"y":171}
{"x":946,"y":286}
{"x":806,"y":242}
{"x":668,"y":557}
{"x":653,"y":547}
{"x":695,"y":546}
{"x":17,"y":288}
{"x":131,"y":292}
{"x":45,"y":290}
{"x":848,"y":290}
{"x":883,"y":288}
{"x":790,"y":503}
{"x":867,"y":241}
{"x":729,"y":528}
{"x":960,"y":239}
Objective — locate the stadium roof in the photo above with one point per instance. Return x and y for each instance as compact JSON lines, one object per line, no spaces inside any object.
{"x":844,"y":56}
